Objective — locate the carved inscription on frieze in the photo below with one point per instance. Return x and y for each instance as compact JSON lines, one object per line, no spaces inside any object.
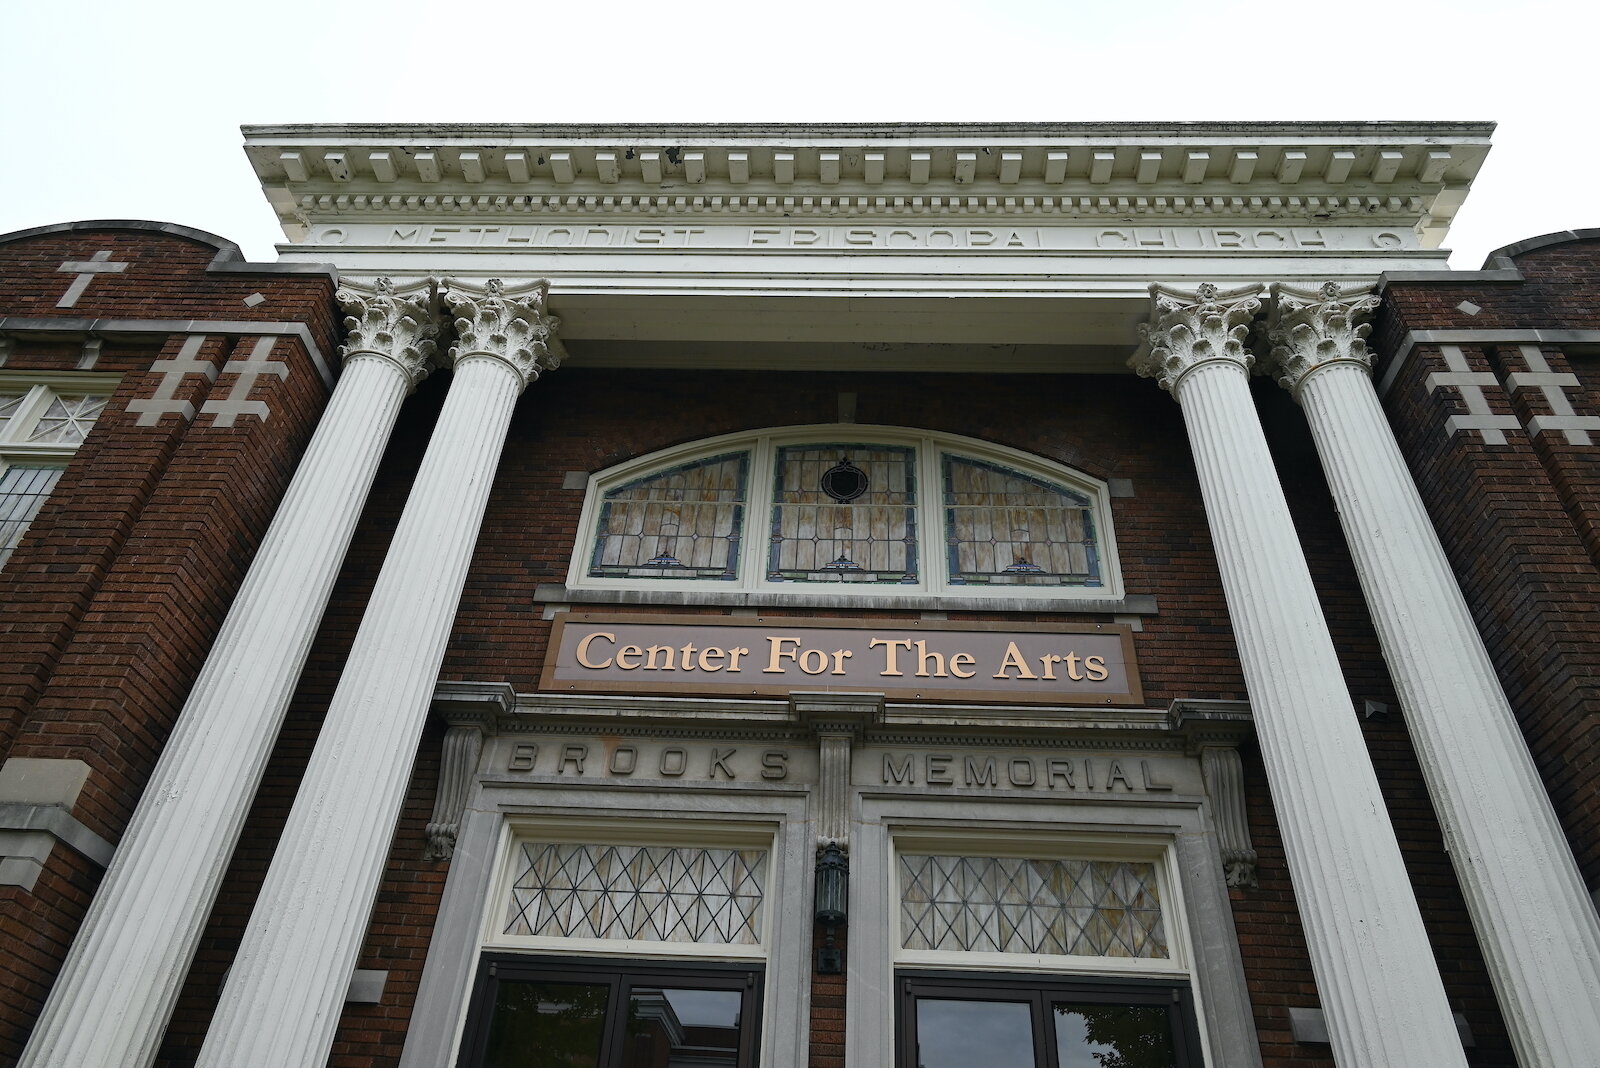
{"x":909,"y":237}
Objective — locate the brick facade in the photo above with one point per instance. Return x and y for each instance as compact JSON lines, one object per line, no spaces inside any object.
{"x":109,"y":605}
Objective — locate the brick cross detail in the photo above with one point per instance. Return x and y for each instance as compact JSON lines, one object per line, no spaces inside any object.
{"x":1469,"y":384}
{"x":1553,"y":385}
{"x":99,"y":263}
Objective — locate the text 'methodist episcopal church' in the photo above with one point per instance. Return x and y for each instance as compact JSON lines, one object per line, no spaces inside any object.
{"x":1085,"y":596}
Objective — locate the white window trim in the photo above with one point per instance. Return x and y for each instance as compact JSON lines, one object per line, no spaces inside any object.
{"x":933,"y":579}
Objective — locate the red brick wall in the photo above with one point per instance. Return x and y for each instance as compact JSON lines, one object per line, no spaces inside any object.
{"x":1520,"y":522}
{"x":111,"y":601}
{"x":1110,"y":427}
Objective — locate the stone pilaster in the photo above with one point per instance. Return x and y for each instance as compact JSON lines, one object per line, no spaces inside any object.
{"x":121,"y":978}
{"x":1376,"y":977}
{"x":282,"y":1001}
{"x":1534,"y":921}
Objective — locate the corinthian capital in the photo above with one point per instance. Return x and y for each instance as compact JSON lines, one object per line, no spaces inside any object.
{"x":509,"y":323}
{"x":1310,"y":330}
{"x":1188,"y":329}
{"x":396,"y":326}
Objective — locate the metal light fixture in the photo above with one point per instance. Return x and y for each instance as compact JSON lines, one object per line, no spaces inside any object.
{"x":833,"y":896}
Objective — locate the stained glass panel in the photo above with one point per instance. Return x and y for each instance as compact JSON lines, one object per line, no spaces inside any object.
{"x":844,"y":512}
{"x":1005,"y":528}
{"x":647,"y":893}
{"x":683,"y":523}
{"x":1098,"y":908}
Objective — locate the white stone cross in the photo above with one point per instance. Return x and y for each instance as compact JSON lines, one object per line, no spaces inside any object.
{"x":1553,"y":384}
{"x":249,"y":369}
{"x":99,"y":263}
{"x":165,"y":401}
{"x":1470,"y":384}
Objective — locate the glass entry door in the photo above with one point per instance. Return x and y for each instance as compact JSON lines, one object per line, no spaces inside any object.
{"x":541,"y":1013}
{"x":957,"y":1020}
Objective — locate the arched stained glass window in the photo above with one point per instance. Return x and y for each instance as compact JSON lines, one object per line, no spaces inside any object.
{"x":872,"y":510}
{"x":844,"y":513}
{"x":1005,"y":528}
{"x":682,"y":523}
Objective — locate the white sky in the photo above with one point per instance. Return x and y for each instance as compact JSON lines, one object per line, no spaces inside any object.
{"x":129,"y":109}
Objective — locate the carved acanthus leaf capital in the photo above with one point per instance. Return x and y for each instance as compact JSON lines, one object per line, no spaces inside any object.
{"x":1309,"y":329}
{"x":400,"y":326}
{"x":1187,"y":329}
{"x":513,"y":324}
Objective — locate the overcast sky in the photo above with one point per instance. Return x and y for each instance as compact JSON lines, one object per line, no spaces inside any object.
{"x":127,"y":109}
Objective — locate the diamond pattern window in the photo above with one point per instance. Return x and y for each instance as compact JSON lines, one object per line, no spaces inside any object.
{"x":638,"y":894}
{"x":849,"y":510}
{"x":1068,"y":908}
{"x":42,"y":423}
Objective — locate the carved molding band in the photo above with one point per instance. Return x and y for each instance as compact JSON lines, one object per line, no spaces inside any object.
{"x":1308,"y":330}
{"x":398,"y":327}
{"x":1188,"y":329}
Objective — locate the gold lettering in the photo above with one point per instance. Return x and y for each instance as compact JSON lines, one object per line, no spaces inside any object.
{"x":806,"y":661}
{"x":711,"y":658}
{"x":923,"y":656}
{"x":1014,"y":659}
{"x":632,"y":653}
{"x":668,"y":651}
{"x":583,"y":650}
{"x":1048,"y":662}
{"x":1071,"y":660}
{"x":778,"y":652}
{"x":890,"y":667}
{"x":1096,"y":666}
{"x":734,"y":655}
{"x":839,"y":657}
{"x":959,"y":661}
{"x":688,"y":657}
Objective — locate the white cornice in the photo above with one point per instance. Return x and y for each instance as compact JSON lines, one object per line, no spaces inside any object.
{"x":1415,"y":174}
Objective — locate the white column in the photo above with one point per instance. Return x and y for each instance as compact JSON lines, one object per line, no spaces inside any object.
{"x":110,"y":1004}
{"x":1537,"y":927}
{"x":283,"y":998}
{"x":1380,"y":989}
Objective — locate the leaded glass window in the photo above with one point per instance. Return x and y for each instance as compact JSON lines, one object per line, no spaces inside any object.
{"x":968,"y":904}
{"x":683,"y":523}
{"x":638,"y":893}
{"x":23,"y":491}
{"x":1004,"y":527}
{"x":844,"y":513}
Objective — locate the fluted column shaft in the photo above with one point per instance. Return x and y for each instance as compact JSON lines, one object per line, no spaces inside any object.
{"x":1380,"y":989}
{"x":283,"y":998}
{"x":1534,"y":920}
{"x":117,"y":988}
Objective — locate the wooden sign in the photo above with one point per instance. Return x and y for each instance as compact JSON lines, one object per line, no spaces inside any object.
{"x":1034,"y":663}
